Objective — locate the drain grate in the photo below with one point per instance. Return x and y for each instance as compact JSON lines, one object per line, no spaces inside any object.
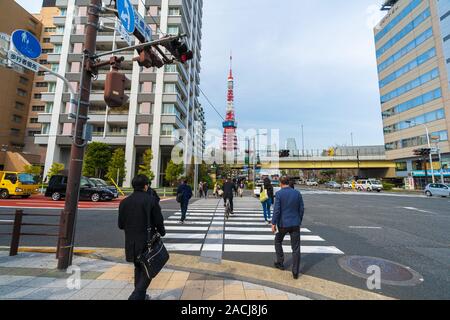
{"x":392,"y":273}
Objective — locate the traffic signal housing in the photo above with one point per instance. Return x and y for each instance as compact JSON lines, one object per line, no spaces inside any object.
{"x":284,"y":153}
{"x":115,"y":84}
{"x":422,"y":152}
{"x":148,"y":58}
{"x":179,"y":50}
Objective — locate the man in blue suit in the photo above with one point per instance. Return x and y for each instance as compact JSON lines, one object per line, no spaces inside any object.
{"x":184,"y":194}
{"x":287,"y":218}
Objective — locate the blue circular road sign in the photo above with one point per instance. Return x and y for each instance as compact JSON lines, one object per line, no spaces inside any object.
{"x":26,"y":43}
{"x":126,"y":15}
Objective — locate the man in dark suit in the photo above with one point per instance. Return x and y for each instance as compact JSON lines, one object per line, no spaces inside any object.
{"x":133,"y":219}
{"x":287,"y":218}
{"x":184,"y":194}
{"x":229,"y":188}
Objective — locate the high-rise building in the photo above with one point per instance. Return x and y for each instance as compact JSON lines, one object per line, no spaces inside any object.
{"x":163,"y":109}
{"x":230,"y":143}
{"x":16,"y":83}
{"x":40,"y":85}
{"x":413,"y":57}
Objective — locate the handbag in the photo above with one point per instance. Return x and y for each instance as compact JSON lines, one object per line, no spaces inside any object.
{"x":263,"y":197}
{"x":179,"y":197}
{"x":155,"y":256}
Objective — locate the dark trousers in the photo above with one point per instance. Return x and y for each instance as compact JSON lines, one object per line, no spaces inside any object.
{"x":141,"y":283}
{"x":184,"y":208}
{"x":231,"y":202}
{"x":294,"y":233}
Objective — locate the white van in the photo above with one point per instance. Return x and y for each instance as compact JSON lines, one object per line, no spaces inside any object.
{"x":369,"y":185}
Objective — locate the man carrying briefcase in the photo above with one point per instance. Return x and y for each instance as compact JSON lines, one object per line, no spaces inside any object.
{"x":133,"y":219}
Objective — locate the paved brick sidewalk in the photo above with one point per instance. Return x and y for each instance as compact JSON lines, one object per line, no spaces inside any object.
{"x":33,"y":276}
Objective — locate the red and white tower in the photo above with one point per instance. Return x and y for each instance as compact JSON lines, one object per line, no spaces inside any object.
{"x":230,"y":143}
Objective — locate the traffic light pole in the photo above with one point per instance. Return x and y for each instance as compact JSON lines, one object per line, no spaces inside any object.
{"x":68,"y":215}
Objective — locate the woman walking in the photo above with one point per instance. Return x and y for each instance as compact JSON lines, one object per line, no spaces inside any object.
{"x":267,"y":199}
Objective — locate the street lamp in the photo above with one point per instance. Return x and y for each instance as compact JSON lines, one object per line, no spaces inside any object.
{"x":429,"y":146}
{"x":436,"y":139}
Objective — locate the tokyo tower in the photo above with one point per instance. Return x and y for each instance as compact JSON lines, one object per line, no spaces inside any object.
{"x":230,"y":143}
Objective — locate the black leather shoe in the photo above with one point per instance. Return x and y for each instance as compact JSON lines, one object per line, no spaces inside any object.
{"x":279,"y":266}
{"x":295,"y":276}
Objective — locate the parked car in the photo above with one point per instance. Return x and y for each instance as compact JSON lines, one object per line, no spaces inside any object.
{"x":17,"y":184}
{"x":88,"y":190}
{"x":102,"y":184}
{"x":438,"y":190}
{"x":347,"y":185}
{"x":312,"y":183}
{"x":369,"y":185}
{"x":333,"y":185}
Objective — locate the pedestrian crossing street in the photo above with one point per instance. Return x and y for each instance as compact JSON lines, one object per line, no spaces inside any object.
{"x":206,"y":230}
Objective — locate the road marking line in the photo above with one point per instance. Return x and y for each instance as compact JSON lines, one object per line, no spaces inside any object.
{"x":206,"y":223}
{"x":207,"y":247}
{"x":184,"y":236}
{"x":418,"y":210}
{"x":189,"y":218}
{"x":183,"y":246}
{"x":255,"y":223}
{"x":363,"y":227}
{"x":268,"y":229}
{"x":287,"y":249}
{"x":186,"y":228}
{"x":255,"y":237}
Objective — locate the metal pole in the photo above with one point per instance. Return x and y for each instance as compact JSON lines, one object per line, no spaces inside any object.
{"x":254,"y":161}
{"x":68,"y":218}
{"x":303,"y":142}
{"x":431,"y":155}
{"x":440,"y":164}
{"x":15,"y":239}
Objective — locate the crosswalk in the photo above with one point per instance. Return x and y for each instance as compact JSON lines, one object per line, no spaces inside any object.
{"x":245,"y":232}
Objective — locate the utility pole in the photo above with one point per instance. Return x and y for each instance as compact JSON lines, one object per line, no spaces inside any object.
{"x":69,"y":214}
{"x":303,"y":143}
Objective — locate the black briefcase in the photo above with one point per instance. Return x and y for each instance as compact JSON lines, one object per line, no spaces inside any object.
{"x":154,"y":258}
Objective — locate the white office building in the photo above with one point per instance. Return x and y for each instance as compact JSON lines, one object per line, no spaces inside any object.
{"x":163,"y":110}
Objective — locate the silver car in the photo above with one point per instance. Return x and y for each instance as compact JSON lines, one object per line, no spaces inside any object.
{"x":438,"y":190}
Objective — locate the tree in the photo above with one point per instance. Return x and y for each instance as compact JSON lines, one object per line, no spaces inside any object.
{"x":145,"y":167}
{"x":55,"y":169}
{"x":117,"y":164}
{"x":98,"y":156}
{"x":34,"y":170}
{"x":225,"y":171}
{"x":204,"y":174}
{"x":174,"y":172}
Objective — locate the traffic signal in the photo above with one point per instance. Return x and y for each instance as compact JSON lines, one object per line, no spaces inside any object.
{"x":422,"y":152}
{"x":149,"y":58}
{"x":115,"y":84}
{"x":284,"y":153}
{"x":179,"y":50}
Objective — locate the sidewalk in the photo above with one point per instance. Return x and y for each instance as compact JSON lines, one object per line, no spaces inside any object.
{"x":33,"y":276}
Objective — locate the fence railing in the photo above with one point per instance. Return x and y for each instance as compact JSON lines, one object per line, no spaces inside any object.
{"x":16,"y":233}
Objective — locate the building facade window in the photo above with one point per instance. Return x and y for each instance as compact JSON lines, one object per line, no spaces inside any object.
{"x":423,"y":79}
{"x":38,"y":108}
{"x":41,"y":85}
{"x":16,"y":118}
{"x":170,"y":88}
{"x":174,"y":11}
{"x":406,"y":49}
{"x":20,"y":106}
{"x":415,"y":141}
{"x":173,"y":30}
{"x":167,"y":130}
{"x":413,"y":122}
{"x":33,"y":120}
{"x":408,"y":67}
{"x":21,"y":93}
{"x":37,"y":96}
{"x":45,"y":129}
{"x":23,"y":80}
{"x":413,"y":103}
{"x":401,"y":166}
{"x":15,"y":132}
{"x":405,"y":31}
{"x":32,"y":133}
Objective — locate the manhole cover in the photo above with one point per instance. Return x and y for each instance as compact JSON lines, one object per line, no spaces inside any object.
{"x":392,"y":273}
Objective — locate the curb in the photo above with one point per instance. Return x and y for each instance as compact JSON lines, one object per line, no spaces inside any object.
{"x":308,"y":286}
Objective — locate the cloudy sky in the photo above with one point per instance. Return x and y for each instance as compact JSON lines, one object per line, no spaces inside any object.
{"x":296,"y":62}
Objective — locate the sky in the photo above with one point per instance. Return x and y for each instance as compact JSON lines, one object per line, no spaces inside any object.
{"x":296,"y":62}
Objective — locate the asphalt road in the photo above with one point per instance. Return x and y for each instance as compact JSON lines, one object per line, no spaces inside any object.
{"x":409,"y":230}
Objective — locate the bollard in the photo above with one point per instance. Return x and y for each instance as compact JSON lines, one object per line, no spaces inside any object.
{"x":15,"y":239}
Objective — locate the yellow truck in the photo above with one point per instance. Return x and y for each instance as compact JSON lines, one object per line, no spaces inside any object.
{"x":17,"y":184}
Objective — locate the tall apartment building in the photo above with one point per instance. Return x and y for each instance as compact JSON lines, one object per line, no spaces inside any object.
{"x":16,"y":87}
{"x":40,"y":85}
{"x":163,"y":109}
{"x":413,"y":56}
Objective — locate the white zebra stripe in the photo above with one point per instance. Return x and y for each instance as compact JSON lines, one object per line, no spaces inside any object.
{"x":256,"y":237}
{"x":287,"y":249}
